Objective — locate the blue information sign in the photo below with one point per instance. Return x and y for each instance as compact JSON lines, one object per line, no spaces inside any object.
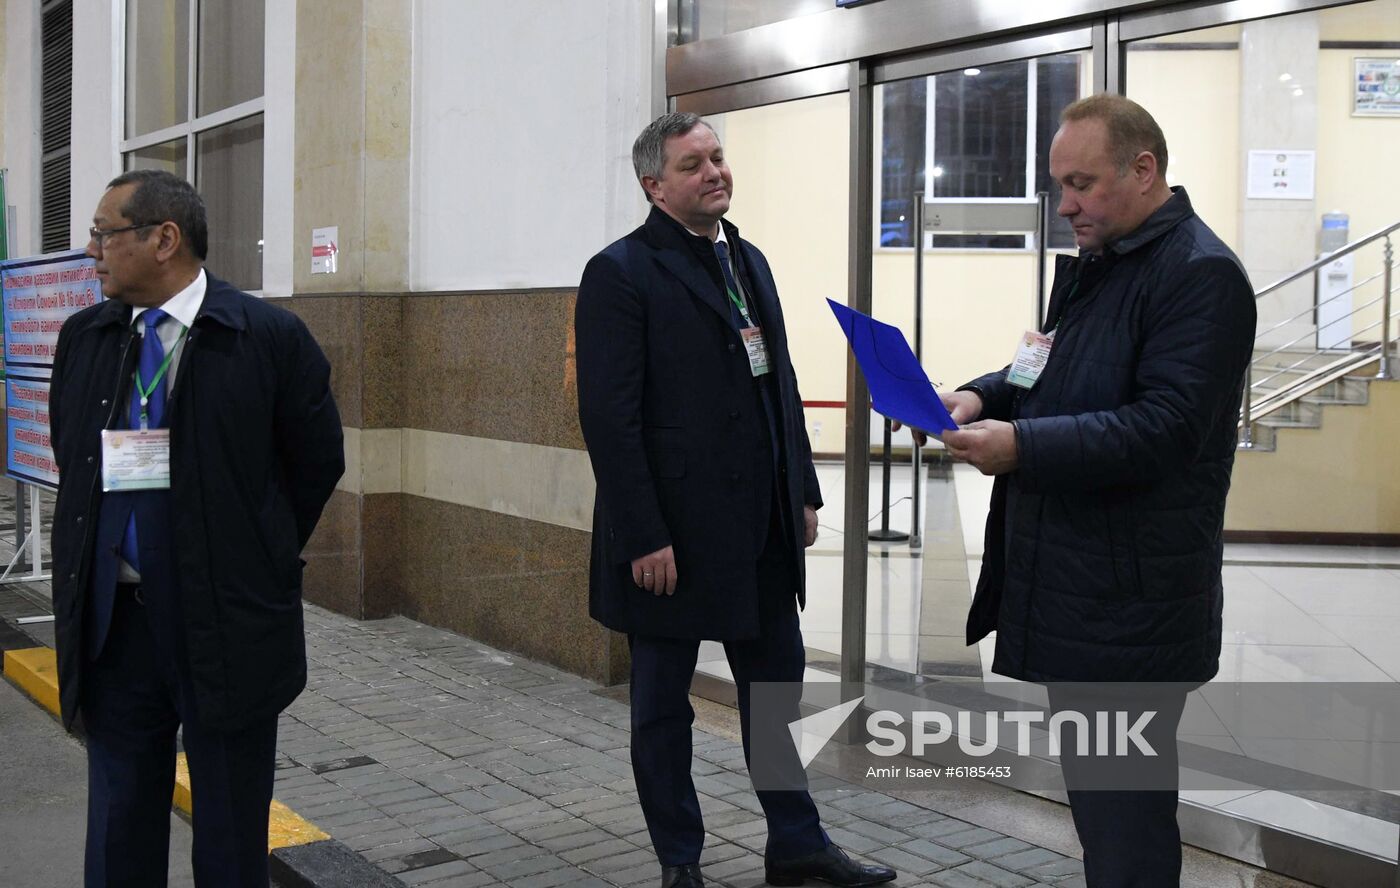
{"x":39,"y":294}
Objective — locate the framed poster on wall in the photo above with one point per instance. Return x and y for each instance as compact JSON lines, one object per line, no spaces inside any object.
{"x":1375,"y":87}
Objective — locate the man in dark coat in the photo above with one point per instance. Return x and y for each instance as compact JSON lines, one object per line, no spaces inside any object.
{"x":1104,"y":540}
{"x":177,"y":578}
{"x":706,"y":493}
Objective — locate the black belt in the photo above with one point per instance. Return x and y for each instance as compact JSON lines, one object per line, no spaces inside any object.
{"x":130,"y":592}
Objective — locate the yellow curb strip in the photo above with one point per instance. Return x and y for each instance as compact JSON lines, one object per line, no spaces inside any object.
{"x":35,"y":671}
{"x":284,"y":827}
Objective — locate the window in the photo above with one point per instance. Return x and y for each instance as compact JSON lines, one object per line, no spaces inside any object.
{"x":980,"y":132}
{"x":56,"y":123}
{"x":194,"y":106}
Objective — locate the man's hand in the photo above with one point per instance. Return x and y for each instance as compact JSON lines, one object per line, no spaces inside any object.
{"x":809,"y":526}
{"x":963,"y":406}
{"x":656,"y":572}
{"x":989,"y":445}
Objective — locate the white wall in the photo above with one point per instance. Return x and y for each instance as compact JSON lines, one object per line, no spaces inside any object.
{"x":523,"y":119}
{"x":21,"y":154}
{"x":97,"y":115}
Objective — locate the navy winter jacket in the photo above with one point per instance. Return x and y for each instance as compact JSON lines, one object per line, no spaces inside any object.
{"x":255,"y":452}
{"x":1103,"y":548}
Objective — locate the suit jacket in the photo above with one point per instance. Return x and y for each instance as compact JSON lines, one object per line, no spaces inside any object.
{"x":678,"y":437}
{"x":256,"y":449}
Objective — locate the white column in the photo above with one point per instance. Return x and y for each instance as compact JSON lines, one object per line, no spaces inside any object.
{"x":1278,"y":110}
{"x":21,"y":149}
{"x":97,"y":116}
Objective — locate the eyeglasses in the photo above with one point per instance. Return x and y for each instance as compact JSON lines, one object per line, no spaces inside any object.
{"x":100,"y":236}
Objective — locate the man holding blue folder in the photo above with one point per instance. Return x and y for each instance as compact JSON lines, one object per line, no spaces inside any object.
{"x":1112,"y":436}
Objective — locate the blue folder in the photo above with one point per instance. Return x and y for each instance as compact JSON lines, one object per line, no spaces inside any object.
{"x":899,"y":388}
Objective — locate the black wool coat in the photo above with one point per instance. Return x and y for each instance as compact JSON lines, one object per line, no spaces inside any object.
{"x":256,"y":449}
{"x":1103,"y":549}
{"x":668,"y":410}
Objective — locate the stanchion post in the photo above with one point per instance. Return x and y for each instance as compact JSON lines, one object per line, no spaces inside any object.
{"x":916,"y":533}
{"x":884,"y":534}
{"x":1042,"y":246}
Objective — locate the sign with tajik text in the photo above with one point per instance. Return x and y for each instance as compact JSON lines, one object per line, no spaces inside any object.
{"x":39,"y":293}
{"x":27,"y":432}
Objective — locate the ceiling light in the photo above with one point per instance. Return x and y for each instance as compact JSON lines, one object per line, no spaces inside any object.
{"x":972,"y":72}
{"x":1285,"y":77}
{"x":937,"y":171}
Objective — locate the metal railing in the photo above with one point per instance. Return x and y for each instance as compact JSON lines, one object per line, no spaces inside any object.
{"x":1261,"y":398}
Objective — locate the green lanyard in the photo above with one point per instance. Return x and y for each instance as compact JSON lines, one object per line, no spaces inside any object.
{"x":739,"y":304}
{"x":145,"y":391}
{"x":1064,"y":306}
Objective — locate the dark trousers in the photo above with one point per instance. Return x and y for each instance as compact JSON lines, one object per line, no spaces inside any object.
{"x":1130,"y":836}
{"x":662,"y":716}
{"x":132,"y":704}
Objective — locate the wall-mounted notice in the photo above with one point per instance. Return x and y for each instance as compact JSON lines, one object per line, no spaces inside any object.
{"x":1281,"y":175}
{"x":325,"y":247}
{"x":38,"y":294}
{"x":1376,"y":88}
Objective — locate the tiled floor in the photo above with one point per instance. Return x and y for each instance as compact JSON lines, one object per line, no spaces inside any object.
{"x":1292,"y":614}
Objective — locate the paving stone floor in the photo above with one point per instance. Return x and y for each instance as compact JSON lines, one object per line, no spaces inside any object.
{"x":449,"y":763}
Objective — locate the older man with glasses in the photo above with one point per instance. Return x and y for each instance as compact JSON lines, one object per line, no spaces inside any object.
{"x":197,"y":442}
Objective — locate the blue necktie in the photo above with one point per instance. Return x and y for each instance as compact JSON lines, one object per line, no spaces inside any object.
{"x":722,"y":250}
{"x":152,"y":355}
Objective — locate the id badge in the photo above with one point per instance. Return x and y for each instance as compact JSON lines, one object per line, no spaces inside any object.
{"x":133,"y":459}
{"x":1031,"y":356}
{"x":757,"y":348}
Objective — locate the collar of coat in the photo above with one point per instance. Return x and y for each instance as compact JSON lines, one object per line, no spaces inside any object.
{"x":692,"y":260}
{"x":668,"y":231}
{"x":1176,"y":210}
{"x":221,"y":306}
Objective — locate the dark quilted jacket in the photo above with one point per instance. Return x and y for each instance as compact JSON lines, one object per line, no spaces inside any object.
{"x":1103,"y":548}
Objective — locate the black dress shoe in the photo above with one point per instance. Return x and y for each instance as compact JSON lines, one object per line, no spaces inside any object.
{"x":830,"y":865}
{"x":687,"y":876}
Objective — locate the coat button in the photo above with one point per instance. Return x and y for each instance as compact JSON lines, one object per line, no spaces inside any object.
{"x":733,"y":414}
{"x":72,"y":576}
{"x":732,"y":349}
{"x":105,"y":402}
{"x":80,"y":519}
{"x":89,"y":460}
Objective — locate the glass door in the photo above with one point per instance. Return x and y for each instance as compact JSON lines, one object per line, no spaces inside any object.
{"x":966,"y":127}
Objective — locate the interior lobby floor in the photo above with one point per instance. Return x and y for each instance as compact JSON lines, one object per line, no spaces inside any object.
{"x":1292,"y":614}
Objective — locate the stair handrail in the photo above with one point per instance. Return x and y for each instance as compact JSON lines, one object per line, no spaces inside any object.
{"x":1383,"y":369}
{"x":1330,"y":257}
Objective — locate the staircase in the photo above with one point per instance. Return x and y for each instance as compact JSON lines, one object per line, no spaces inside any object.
{"x":1318,"y":428}
{"x":1346,"y":384}
{"x":1290,"y":384}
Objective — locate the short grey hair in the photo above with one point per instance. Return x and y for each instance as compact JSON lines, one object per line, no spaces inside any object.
{"x":649,"y":151}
